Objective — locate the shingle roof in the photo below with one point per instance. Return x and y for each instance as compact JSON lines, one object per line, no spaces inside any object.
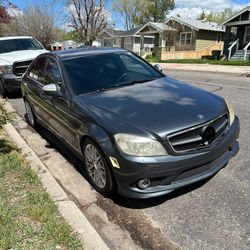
{"x":121,"y":33}
{"x":198,"y":25}
{"x":135,"y":31}
{"x":160,"y":26}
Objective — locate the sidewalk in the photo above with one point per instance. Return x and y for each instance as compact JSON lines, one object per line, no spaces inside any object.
{"x":219,"y":69}
{"x":67,"y":207}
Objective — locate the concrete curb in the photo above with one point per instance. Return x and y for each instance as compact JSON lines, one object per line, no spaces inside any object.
{"x":208,"y":72}
{"x":67,"y":208}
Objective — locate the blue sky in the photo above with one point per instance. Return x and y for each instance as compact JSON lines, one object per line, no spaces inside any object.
{"x":186,"y":8}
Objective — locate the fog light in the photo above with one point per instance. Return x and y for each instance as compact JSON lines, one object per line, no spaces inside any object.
{"x":144,"y":183}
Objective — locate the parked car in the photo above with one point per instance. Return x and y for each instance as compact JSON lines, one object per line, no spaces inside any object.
{"x":136,"y":130}
{"x":16,"y":54}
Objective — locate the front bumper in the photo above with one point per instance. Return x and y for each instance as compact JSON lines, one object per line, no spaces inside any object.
{"x":11,"y":82}
{"x":172,"y":172}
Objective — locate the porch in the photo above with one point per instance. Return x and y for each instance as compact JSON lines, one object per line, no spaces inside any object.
{"x":162,"y":38}
{"x":237,"y":38}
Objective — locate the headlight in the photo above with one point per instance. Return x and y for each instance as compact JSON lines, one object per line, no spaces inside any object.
{"x":139,"y":146}
{"x":231,"y":112}
{"x":5,"y":69}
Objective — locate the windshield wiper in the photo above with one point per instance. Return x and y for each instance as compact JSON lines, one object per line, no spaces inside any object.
{"x":135,"y":82}
{"x":129,"y":83}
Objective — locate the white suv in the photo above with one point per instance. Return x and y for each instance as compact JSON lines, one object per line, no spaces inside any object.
{"x":16,"y":54}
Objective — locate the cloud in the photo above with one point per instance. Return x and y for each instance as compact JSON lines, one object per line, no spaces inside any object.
{"x":14,"y":12}
{"x":192,"y":8}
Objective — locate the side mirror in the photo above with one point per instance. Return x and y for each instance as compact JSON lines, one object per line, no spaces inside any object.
{"x":158,"y":67}
{"x":51,"y":90}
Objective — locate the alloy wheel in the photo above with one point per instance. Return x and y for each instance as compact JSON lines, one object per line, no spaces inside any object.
{"x":95,"y":166}
{"x":29,"y":114}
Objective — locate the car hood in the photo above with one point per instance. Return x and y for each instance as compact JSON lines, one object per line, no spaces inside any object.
{"x":21,"y":55}
{"x":161,"y":106}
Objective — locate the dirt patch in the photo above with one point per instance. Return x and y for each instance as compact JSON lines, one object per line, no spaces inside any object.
{"x":142,"y":229}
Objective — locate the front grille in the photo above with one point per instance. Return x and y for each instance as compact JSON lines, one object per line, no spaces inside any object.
{"x":192,"y":138}
{"x":19,"y":68}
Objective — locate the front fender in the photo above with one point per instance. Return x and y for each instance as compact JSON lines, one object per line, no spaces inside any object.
{"x":99,"y":135}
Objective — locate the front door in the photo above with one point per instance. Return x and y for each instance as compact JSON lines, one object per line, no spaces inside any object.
{"x":60,"y":116}
{"x":35,"y":82}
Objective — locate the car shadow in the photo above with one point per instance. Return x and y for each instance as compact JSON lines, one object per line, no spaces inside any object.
{"x":54,"y":142}
{"x":155,"y":201}
{"x":15,"y":95}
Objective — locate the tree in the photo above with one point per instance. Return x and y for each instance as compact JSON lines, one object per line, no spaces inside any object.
{"x":71,"y":35}
{"x":154,"y":11}
{"x":128,"y":9}
{"x":218,"y":17}
{"x":4,"y":15}
{"x":88,"y":18}
{"x":37,"y":21}
{"x":202,"y":16}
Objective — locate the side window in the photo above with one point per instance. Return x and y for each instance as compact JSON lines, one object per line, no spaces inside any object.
{"x":134,"y":65}
{"x":38,"y":69}
{"x":53,"y":72}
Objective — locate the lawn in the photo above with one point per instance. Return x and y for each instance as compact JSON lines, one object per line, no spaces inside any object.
{"x":28,"y":217}
{"x":150,"y":58}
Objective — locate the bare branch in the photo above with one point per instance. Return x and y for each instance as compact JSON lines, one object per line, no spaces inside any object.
{"x":87,"y":17}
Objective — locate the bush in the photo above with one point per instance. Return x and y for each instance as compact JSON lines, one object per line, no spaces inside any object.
{"x":5,"y":117}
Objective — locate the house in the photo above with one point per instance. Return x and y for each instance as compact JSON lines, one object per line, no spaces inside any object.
{"x":237,"y":36}
{"x":159,"y":32}
{"x":186,"y":38}
{"x":129,"y":39}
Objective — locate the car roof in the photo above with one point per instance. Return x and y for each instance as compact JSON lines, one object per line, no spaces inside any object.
{"x":14,"y":37}
{"x":88,"y":50}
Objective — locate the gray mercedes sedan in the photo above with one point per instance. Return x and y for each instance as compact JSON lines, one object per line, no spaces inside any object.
{"x":136,"y":130}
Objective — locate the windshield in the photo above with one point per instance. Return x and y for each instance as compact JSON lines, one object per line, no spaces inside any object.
{"x":11,"y":45}
{"x":112,"y":70}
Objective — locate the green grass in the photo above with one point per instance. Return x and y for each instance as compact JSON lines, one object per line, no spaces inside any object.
{"x":28,"y":217}
{"x":199,"y":61}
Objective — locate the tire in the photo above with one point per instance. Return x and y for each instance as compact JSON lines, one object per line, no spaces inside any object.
{"x":30,"y":116}
{"x":97,"y":168}
{"x":3,"y":91}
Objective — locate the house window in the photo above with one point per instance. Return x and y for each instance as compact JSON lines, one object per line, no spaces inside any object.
{"x":185,"y":38}
{"x":137,"y":40}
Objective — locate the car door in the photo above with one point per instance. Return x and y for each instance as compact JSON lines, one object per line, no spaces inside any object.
{"x":34,"y":82}
{"x":60,"y":115}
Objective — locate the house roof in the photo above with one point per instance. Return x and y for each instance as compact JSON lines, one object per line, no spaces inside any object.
{"x":122,"y":33}
{"x":158,"y":26}
{"x":247,"y":8}
{"x":198,"y":24}
{"x":135,"y":31}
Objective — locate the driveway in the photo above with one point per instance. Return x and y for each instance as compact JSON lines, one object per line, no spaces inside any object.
{"x":213,"y":214}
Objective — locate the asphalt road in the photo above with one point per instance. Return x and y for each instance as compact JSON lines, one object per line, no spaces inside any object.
{"x":214,"y":214}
